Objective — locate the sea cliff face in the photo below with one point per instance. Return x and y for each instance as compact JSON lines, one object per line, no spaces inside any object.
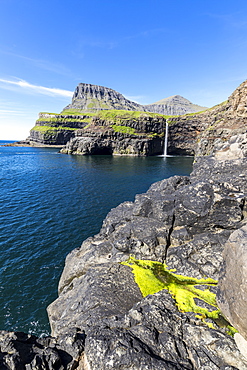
{"x":121,"y":133}
{"x":220,"y":129}
{"x":92,"y":103}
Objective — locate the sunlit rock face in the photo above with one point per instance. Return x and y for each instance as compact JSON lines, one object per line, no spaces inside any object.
{"x":232,"y":292}
{"x":88,"y":97}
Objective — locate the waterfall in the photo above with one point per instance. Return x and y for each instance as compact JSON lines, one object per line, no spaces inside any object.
{"x":166,"y":140}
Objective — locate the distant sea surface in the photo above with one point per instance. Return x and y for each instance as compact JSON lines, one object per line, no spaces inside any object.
{"x":50,"y":203}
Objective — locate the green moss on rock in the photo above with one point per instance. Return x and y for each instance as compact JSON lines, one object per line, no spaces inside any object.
{"x":153,"y":276}
{"x":123,"y":115}
{"x":45,"y":129}
{"x":124,"y":129}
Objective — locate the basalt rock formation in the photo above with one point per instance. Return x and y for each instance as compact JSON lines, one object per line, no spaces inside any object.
{"x":184,"y":221}
{"x":89,"y":102}
{"x":220,"y":130}
{"x":91,"y":98}
{"x":56,"y":129}
{"x":119,"y":132}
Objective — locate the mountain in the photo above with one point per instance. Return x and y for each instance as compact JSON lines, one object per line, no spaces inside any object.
{"x":91,"y":98}
{"x":173,"y":106}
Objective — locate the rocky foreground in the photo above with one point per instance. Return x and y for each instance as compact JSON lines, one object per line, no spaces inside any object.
{"x":101,"y":319}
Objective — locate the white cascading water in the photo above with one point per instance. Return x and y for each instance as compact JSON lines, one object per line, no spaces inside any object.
{"x":166,"y":141}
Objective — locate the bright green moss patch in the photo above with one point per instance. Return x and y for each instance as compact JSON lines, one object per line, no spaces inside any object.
{"x":51,"y":128}
{"x":123,"y":129}
{"x":122,"y":115}
{"x":60,"y":119}
{"x":76,"y":112}
{"x":152,"y":276}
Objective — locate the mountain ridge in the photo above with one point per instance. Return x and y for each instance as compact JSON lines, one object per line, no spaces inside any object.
{"x":91,"y":98}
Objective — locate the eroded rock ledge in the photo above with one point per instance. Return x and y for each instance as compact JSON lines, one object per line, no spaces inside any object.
{"x":100,"y":320}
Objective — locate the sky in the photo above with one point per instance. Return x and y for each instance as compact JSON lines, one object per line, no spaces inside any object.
{"x":145,"y":49}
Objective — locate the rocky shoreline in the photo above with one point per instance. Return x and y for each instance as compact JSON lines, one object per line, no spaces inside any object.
{"x":101,"y":320}
{"x":169,"y":313}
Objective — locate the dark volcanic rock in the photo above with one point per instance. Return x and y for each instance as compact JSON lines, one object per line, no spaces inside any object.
{"x":154,"y":335}
{"x":104,"y":136}
{"x":105,"y":290}
{"x":183,"y":221}
{"x":232,"y":293}
{"x":100,"y":320}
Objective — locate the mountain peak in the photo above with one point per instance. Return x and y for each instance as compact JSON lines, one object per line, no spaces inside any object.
{"x":91,"y":98}
{"x":88,"y":97}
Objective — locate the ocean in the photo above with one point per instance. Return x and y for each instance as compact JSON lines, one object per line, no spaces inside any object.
{"x":50,"y":203}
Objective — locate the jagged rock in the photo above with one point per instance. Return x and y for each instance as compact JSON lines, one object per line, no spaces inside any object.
{"x":24,"y":351}
{"x":154,"y":335}
{"x":178,"y":221}
{"x":89,"y":97}
{"x":113,"y":143}
{"x":100,"y":320}
{"x":232,"y":291}
{"x":105,"y":290}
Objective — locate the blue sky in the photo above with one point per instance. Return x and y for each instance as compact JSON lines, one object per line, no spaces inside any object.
{"x":147,"y":50}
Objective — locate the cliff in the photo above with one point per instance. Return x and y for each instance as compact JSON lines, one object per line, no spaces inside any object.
{"x":89,"y":103}
{"x":119,"y":132}
{"x":219,"y":129}
{"x":56,"y":129}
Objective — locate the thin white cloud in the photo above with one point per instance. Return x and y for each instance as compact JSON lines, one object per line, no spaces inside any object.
{"x":41,"y":63}
{"x":233,"y":20}
{"x":135,"y":98}
{"x":147,"y":33}
{"x":13,"y":112}
{"x":36,"y":89}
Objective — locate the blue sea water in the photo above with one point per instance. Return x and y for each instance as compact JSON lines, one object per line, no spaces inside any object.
{"x":49,"y":204}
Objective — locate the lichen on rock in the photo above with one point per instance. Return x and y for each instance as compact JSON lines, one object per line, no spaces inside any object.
{"x":153,"y":276}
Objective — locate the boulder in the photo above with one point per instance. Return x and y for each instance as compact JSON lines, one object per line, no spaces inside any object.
{"x":232,"y":288}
